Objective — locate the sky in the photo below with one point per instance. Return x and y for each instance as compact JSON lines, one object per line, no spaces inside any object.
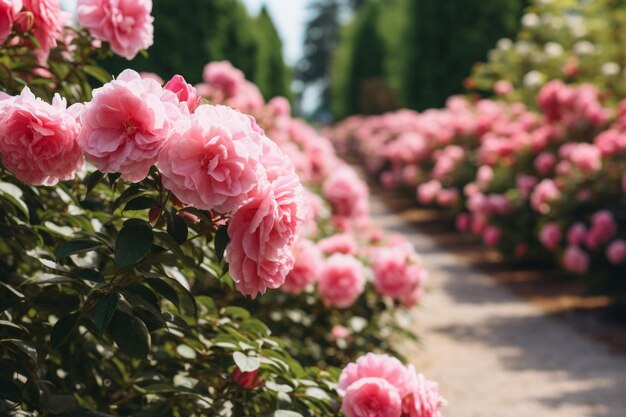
{"x":289,"y":17}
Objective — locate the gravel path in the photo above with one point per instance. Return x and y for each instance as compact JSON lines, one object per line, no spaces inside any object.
{"x":494,"y":354}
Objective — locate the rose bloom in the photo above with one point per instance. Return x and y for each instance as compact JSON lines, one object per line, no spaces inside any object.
{"x":576,"y":260}
{"x":346,"y":193}
{"x":544,"y":193}
{"x":576,"y":234}
{"x":616,"y":252}
{"x":492,"y":236}
{"x":462,"y":222}
{"x":427,"y":191}
{"x":341,"y":280}
{"x":214,"y":162}
{"x":550,"y":235}
{"x":308,"y":261}
{"x":8,"y":12}
{"x":339,"y":243}
{"x":374,"y":365}
{"x":126,"y":24}
{"x":38,"y":140}
{"x":394,"y":276}
{"x":186,"y":93}
{"x":424,"y":399}
{"x":48,"y":23}
{"x":223,"y":76}
{"x":126,"y":124}
{"x":262,"y":233}
{"x":372,"y":397}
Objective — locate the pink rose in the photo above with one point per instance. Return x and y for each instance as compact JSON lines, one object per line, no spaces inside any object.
{"x":492,"y":236}
{"x":603,"y":228}
{"x":340,"y":332}
{"x":544,"y":193}
{"x":544,"y":163}
{"x":341,"y":281}
{"x":521,"y":249}
{"x":576,"y":234}
{"x":186,"y":93}
{"x":48,"y":23}
{"x":616,"y":252}
{"x":550,"y":235}
{"x":448,"y":197}
{"x":394,"y":275}
{"x":126,"y":124}
{"x":347,"y":194}
{"x":372,"y":397}
{"x":262,"y":233}
{"x":586,"y":157}
{"x":463,"y":221}
{"x":214,"y":162}
{"x":308,"y":262}
{"x":424,"y":399}
{"x":374,"y":365}
{"x":427,"y":192}
{"x":503,"y":87}
{"x":223,"y":76}
{"x":126,"y":24}
{"x":8,"y":12}
{"x":339,"y":243}
{"x":576,"y":260}
{"x":484,"y":176}
{"x":38,"y":140}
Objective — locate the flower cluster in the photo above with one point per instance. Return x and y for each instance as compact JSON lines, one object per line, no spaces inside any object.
{"x":379,"y":385}
{"x":521,"y":180}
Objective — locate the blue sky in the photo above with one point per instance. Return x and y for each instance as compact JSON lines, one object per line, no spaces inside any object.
{"x":289,"y":17}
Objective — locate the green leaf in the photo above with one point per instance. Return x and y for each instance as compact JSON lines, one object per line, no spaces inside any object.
{"x":130,"y":334}
{"x":246,"y":363}
{"x":237,"y":312}
{"x":9,"y":390}
{"x":76,"y":246}
{"x":278,"y":387}
{"x":177,"y":228}
{"x":14,"y":194}
{"x":93,"y":180}
{"x":175,"y":292}
{"x":62,"y":330}
{"x":142,"y":202}
{"x":87,"y":274}
{"x":133,"y":243}
{"x":282,"y":413}
{"x":221,"y":241}
{"x":61,"y":404}
{"x":103,"y":313}
{"x":98,"y":73}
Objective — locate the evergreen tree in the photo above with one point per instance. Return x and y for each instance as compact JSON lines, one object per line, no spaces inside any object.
{"x":446,"y":38}
{"x":272,"y":75}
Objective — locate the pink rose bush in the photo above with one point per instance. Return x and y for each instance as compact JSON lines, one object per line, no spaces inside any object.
{"x":532,"y":184}
{"x":125,"y":24}
{"x":379,"y":385}
{"x":8,"y":14}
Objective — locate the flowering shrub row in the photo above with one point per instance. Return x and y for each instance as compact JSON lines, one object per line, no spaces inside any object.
{"x":161,"y":255}
{"x":533,"y":184}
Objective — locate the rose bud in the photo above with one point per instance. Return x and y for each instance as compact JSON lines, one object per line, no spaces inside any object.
{"x":246,"y":380}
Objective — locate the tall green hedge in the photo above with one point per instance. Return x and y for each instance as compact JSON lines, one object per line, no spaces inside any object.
{"x":190,"y":34}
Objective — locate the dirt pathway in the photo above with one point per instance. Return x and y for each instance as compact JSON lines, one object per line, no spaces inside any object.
{"x":496,"y":355}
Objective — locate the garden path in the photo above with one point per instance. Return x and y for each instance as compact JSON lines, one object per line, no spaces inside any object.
{"x":495,"y":354}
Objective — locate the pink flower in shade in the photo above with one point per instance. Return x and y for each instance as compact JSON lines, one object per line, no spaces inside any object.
{"x":484,"y":176}
{"x":341,"y":280}
{"x":347,"y":194}
{"x":372,"y":397}
{"x":463,"y":221}
{"x":616,"y":252}
{"x":48,"y":23}
{"x":262,"y":233}
{"x":544,"y":193}
{"x":308,"y":262}
{"x":427,"y":192}
{"x":550,"y":235}
{"x":503,"y":87}
{"x":126,"y":124}
{"x":38,"y":140}
{"x":8,"y":12}
{"x":340,"y":332}
{"x":544,"y":163}
{"x":223,"y":76}
{"x":525,"y":184}
{"x":576,"y":260}
{"x":576,"y":234}
{"x":374,"y":365}
{"x":126,"y":24}
{"x":424,"y":399}
{"x":448,"y":197}
{"x":214,"y":162}
{"x":521,"y":249}
{"x":492,"y":236}
{"x":586,"y":157}
{"x":479,"y":222}
{"x":394,"y":273}
{"x":603,"y":229}
{"x":279,"y":107}
{"x":339,"y":243}
{"x":186,"y":93}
